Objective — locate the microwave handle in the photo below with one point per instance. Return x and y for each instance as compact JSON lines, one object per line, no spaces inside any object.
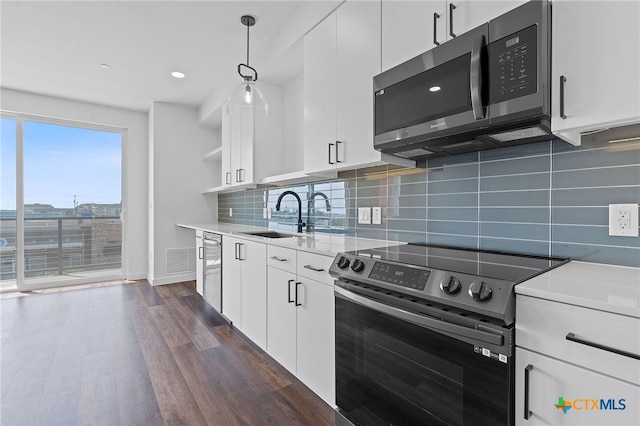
{"x":476,"y":77}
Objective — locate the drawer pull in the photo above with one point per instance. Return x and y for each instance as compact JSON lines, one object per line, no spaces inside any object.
{"x":527,"y":412}
{"x":312,"y":268}
{"x":572,"y":337}
{"x":279,"y":259}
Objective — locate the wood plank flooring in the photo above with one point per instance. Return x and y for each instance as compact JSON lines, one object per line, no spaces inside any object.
{"x":133,"y":354}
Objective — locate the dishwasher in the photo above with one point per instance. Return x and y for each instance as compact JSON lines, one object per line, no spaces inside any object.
{"x":212,"y":270}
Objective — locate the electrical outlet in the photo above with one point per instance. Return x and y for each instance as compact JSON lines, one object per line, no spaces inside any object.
{"x":364,"y":215}
{"x":623,"y":220}
{"x":376,"y":215}
{"x":230,"y":212}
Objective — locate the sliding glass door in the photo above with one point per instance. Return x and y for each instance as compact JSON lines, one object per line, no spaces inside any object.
{"x":61,"y":216}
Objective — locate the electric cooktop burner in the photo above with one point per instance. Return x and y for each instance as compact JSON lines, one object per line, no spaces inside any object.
{"x":504,"y":266}
{"x":475,"y":281}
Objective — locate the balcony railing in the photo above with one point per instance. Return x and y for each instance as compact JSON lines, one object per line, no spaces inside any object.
{"x":61,"y":246}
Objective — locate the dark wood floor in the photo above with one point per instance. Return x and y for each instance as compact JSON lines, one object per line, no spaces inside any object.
{"x":135,"y":354}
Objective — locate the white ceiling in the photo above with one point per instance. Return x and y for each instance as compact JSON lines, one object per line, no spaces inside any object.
{"x":56,"y":47}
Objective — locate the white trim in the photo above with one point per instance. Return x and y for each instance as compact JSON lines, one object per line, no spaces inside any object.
{"x":173,"y":279}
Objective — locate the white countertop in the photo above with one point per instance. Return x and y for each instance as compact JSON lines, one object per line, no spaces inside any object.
{"x":327,"y":244}
{"x":607,"y":288}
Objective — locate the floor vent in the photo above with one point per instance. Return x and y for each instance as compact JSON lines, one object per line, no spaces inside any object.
{"x":181,"y":260}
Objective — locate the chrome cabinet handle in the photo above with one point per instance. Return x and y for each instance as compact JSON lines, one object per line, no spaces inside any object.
{"x":330,"y":162}
{"x":435,"y":29}
{"x":452,"y":7}
{"x":527,"y":412}
{"x":312,"y":268}
{"x":227,"y":178}
{"x":289,"y":291}
{"x":563,"y":80}
{"x":572,"y":337}
{"x":241,"y":172}
{"x":200,"y":252}
{"x":279,"y":259}
{"x":337,"y":157}
{"x":236,"y":248}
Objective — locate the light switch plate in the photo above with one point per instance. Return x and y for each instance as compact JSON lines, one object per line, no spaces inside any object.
{"x":376,"y":215}
{"x":623,"y":220}
{"x":364,"y":215}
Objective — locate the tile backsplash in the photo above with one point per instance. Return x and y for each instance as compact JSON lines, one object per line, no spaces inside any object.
{"x":549,"y":198}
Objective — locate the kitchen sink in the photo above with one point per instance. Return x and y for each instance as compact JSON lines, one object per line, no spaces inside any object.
{"x":268,"y":234}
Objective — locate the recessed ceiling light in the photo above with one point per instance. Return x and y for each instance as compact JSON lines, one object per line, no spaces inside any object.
{"x":105,"y":66}
{"x":178,"y":74}
{"x":434,"y":88}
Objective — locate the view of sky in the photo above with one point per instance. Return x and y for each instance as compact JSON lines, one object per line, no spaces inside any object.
{"x":60,"y":162}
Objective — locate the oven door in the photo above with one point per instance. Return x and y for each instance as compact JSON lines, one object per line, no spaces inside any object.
{"x":390,"y":370}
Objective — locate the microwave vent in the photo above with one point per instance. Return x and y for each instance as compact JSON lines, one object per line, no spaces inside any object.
{"x":514,"y":135}
{"x":413,"y":153}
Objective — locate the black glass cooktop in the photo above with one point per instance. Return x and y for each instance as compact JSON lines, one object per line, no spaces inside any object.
{"x":505,"y":266}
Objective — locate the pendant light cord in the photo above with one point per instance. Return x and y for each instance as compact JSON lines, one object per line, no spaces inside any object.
{"x":248,"y":45}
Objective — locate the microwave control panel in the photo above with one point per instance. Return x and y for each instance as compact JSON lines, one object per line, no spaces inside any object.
{"x":513,"y":65}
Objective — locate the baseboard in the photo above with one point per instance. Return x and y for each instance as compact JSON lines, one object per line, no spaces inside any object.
{"x":173,"y":279}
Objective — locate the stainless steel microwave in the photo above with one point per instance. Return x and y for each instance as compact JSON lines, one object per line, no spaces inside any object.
{"x":487,"y":88}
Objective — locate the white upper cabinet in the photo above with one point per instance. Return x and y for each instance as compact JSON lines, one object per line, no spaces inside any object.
{"x":341,"y":56}
{"x":596,"y":53}
{"x":464,"y":15}
{"x":410,"y":28}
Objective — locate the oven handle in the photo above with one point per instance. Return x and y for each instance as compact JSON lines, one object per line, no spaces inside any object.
{"x":423,"y":321}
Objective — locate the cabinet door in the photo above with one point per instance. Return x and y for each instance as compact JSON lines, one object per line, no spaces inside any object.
{"x":316,"y":338}
{"x":281,"y":317}
{"x":320,"y":96}
{"x":595,"y":47}
{"x":410,"y":28}
{"x":595,"y":399}
{"x":231,"y":282}
{"x":254,"y":291}
{"x":225,"y":135}
{"x":465,"y":15}
{"x":242,"y":135}
{"x":358,"y":60}
{"x":199,"y":263}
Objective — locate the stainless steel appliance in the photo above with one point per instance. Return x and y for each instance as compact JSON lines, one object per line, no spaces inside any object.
{"x":487,"y":88}
{"x":425,"y":334}
{"x":212,"y":270}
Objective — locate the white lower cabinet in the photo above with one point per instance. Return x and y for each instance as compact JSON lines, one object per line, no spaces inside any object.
{"x":199,"y":262}
{"x":300,"y":324}
{"x":575,"y":365}
{"x":244,"y":287}
{"x":560,"y":393}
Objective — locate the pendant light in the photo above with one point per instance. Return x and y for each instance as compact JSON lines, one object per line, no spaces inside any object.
{"x":247,"y":94}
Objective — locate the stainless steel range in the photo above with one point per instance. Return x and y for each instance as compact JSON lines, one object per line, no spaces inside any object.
{"x":425,"y":334}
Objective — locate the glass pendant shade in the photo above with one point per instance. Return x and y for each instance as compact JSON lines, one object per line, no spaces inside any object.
{"x":247,"y":95}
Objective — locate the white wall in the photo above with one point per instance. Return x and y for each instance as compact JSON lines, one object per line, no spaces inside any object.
{"x":134,"y":156}
{"x":176,"y":146}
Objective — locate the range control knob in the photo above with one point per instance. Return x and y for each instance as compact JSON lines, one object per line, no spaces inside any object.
{"x":480,"y":291}
{"x":343,"y":262}
{"x":357,"y":266}
{"x":450,"y":285}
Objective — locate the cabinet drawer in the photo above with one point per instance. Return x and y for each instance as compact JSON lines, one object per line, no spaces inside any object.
{"x":550,"y":327}
{"x":315,"y":267}
{"x":281,"y":258}
{"x":594,"y":399}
